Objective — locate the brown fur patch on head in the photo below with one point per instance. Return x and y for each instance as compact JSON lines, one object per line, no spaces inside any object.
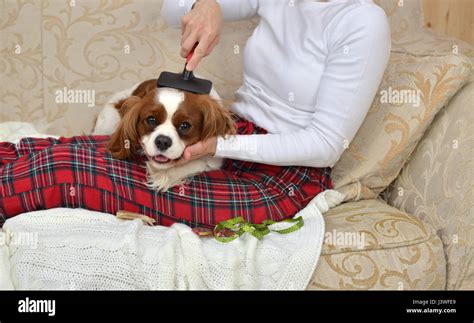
{"x":140,"y":92}
{"x":145,"y":87}
{"x":150,"y":108}
{"x":206,"y":116}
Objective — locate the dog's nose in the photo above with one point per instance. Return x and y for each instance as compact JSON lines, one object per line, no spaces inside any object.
{"x":163,"y":142}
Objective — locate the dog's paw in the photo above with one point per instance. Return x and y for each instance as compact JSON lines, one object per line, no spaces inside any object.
{"x":163,"y":189}
{"x":214,"y":163}
{"x":163,"y":183}
{"x":159,"y":186}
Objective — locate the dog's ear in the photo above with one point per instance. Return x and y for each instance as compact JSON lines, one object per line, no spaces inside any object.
{"x":217,"y":120}
{"x":124,"y":142}
{"x":123,"y":105}
{"x":145,"y":87}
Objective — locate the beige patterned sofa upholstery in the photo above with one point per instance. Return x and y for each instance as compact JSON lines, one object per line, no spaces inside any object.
{"x":418,"y":231}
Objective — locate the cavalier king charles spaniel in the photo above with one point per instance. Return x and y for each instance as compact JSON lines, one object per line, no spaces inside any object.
{"x":160,"y":123}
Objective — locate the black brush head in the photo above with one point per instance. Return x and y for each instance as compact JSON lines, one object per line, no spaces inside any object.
{"x":185,"y":81}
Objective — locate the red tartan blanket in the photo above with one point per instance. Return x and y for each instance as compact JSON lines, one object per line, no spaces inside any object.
{"x":78,"y":172}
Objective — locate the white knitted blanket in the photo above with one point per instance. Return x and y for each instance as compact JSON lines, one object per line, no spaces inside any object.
{"x":80,"y":249}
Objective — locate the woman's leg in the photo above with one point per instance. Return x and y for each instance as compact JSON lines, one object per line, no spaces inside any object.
{"x":79,"y":173}
{"x":32,"y":173}
{"x":10,"y":152}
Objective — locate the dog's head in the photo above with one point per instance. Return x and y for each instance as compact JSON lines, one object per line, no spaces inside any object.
{"x":164,"y":122}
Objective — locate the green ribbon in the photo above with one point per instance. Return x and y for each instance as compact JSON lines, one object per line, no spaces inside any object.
{"x":229,"y":230}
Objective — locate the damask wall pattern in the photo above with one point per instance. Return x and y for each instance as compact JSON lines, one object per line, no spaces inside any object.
{"x":102,"y":46}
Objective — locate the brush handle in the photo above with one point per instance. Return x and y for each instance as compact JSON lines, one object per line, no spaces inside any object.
{"x":187,"y":75}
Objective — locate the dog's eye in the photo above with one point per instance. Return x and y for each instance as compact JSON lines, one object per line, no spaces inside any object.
{"x":184,"y":126}
{"x":151,"y":121}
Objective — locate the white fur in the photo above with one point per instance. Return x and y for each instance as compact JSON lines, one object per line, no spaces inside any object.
{"x":160,"y":177}
{"x":162,"y":180}
{"x":109,"y":117}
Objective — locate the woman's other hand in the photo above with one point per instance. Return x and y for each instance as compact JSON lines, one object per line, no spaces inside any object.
{"x":198,"y":150}
{"x":203,"y":25}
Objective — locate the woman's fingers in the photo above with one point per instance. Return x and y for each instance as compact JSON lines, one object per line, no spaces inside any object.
{"x":213,"y":44}
{"x":203,"y":25}
{"x":198,"y":150}
{"x":199,"y":53}
{"x":188,"y":44}
{"x":205,"y":45}
{"x":185,"y":31}
{"x":189,"y":154}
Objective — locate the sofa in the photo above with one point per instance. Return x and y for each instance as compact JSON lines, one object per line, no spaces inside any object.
{"x":408,"y":176}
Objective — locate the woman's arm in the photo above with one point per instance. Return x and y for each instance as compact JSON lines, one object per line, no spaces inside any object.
{"x":359,"y":47}
{"x":233,"y":10}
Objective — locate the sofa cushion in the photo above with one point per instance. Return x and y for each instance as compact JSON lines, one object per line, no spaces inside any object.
{"x":437,"y":185}
{"x":382,"y":227}
{"x":413,"y":90}
{"x":404,"y":16}
{"x":399,"y":250}
{"x":444,"y":157}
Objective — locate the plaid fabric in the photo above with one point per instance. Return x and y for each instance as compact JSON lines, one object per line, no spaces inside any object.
{"x":78,"y":172}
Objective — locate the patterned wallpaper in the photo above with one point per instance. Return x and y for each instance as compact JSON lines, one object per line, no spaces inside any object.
{"x":97,"y":47}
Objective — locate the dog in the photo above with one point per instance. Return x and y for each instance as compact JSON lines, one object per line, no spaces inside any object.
{"x":160,"y":123}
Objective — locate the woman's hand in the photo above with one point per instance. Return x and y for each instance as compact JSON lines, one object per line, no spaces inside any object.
{"x":198,"y":150}
{"x":202,"y":25}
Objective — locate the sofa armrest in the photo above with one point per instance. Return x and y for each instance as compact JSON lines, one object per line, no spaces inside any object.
{"x":437,"y":185}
